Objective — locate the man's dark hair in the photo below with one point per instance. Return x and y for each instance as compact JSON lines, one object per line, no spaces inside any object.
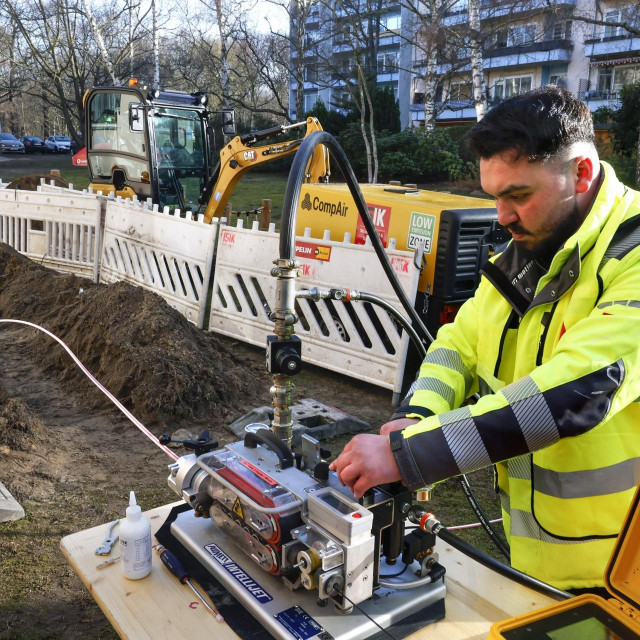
{"x":535,"y":125}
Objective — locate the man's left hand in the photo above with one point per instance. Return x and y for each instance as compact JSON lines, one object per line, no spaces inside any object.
{"x":365,"y":462}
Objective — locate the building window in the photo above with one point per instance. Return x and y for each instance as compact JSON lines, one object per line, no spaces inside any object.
{"x":522,"y":34}
{"x":459,"y":91}
{"x":561,"y":30}
{"x":501,"y":38}
{"x":612,"y":79}
{"x":309,"y":100}
{"x":610,"y":30}
{"x":391,"y":23}
{"x":388,"y":62}
{"x":559,"y":80}
{"x":512,"y":87}
{"x":311,"y":73}
{"x":605,"y":80}
{"x":343,"y":35}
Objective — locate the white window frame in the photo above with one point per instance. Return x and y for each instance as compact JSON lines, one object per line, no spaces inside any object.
{"x":392,"y":22}
{"x":612,"y":31}
{"x":306,"y":106}
{"x":502,"y":83}
{"x":524,"y":34}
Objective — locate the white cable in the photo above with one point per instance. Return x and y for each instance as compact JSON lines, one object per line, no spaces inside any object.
{"x":471,"y":526}
{"x":109,"y":395}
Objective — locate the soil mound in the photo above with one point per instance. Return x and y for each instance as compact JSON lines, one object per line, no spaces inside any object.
{"x":165,"y":370}
{"x":20,"y":430}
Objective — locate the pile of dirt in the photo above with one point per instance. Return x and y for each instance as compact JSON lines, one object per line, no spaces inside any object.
{"x":20,"y":429}
{"x":165,"y":370}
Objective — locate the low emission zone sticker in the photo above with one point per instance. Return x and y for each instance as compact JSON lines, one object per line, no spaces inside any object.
{"x":421,"y":228}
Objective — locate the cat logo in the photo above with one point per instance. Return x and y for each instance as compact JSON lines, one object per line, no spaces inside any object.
{"x":306,"y":203}
{"x":249,"y":155}
{"x":237,"y":509}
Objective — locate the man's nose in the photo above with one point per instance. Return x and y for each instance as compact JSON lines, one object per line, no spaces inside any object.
{"x":506,"y":213}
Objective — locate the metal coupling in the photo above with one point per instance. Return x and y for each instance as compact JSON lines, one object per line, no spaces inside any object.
{"x":425,"y":520}
{"x":315,"y":293}
{"x":424,"y":494}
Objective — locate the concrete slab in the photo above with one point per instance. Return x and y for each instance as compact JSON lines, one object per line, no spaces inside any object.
{"x":319,"y":420}
{"x":10,"y":509}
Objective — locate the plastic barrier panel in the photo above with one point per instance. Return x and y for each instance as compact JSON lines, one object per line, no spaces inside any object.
{"x":163,"y":253}
{"x":58,"y":230}
{"x":354,"y":338}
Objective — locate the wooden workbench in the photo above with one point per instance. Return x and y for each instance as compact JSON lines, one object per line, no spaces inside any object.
{"x":159,"y":607}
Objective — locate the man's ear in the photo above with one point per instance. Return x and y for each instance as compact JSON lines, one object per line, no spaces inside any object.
{"x":584,"y":173}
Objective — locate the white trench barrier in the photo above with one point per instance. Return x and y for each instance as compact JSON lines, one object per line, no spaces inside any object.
{"x":355,"y":339}
{"x":59,"y":230}
{"x":160,"y":252}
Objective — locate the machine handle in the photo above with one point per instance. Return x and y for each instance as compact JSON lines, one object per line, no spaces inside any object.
{"x":270,"y":440}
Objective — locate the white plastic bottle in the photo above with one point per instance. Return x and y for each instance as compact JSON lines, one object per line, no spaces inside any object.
{"x":135,"y":542}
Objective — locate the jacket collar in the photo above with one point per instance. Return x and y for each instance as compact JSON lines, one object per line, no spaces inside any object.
{"x":504,"y":270}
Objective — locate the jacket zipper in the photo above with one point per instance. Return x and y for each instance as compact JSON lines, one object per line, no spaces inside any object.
{"x":546,"y":323}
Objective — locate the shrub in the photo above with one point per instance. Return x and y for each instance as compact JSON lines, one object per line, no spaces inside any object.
{"x":439,"y":158}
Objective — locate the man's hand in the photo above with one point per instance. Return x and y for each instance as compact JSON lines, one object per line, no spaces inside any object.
{"x":397,"y":425}
{"x":366,"y":461}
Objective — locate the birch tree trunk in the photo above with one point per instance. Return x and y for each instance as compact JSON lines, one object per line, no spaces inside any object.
{"x":373,"y":168}
{"x":477,"y":71}
{"x":224,"y":52}
{"x":131,"y":40}
{"x":104,"y":54}
{"x":156,"y":48}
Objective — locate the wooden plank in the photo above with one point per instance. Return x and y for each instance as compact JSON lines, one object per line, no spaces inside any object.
{"x":158,"y":607}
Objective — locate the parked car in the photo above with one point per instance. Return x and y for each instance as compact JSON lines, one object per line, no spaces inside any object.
{"x":10,"y":144}
{"x":33,"y":144}
{"x":58,"y":144}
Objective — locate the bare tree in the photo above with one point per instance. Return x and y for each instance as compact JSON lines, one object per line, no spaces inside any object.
{"x":57,"y":53}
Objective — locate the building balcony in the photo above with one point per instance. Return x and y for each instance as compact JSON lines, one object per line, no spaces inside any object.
{"x":612,"y":46}
{"x":453,"y":110}
{"x":521,"y":55}
{"x":597,"y":99}
{"x":387,"y":77}
{"x":491,"y":9}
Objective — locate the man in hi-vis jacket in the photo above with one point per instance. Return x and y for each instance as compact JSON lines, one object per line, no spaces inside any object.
{"x":551,"y":343}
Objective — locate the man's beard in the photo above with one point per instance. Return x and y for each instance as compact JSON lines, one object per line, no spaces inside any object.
{"x":555,"y":235}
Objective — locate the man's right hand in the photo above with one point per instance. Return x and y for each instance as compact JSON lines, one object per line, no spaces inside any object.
{"x":397,"y":425}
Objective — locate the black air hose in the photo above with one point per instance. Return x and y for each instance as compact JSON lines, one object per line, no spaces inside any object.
{"x":297,"y":175}
{"x":504,"y":570}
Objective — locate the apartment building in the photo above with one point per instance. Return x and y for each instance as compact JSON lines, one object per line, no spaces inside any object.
{"x":614,"y":55}
{"x":526,"y":44}
{"x":335,"y":34}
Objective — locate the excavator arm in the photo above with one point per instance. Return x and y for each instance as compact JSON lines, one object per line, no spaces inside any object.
{"x":240,"y":155}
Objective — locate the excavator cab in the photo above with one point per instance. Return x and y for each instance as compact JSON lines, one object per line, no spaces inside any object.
{"x":161,"y":145}
{"x":156,"y":144}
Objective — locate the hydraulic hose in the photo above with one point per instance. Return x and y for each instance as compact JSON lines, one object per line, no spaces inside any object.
{"x":297,"y":176}
{"x":484,"y":521}
{"x":392,"y":311}
{"x":499,"y":567}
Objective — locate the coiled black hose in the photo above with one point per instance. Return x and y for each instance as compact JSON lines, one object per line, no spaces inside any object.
{"x":297,"y":175}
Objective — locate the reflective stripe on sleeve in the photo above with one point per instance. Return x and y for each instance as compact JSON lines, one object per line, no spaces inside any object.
{"x":452,"y":360}
{"x":436,"y":386}
{"x":464,"y":441}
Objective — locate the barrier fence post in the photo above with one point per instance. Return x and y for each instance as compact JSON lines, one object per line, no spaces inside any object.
{"x":266,"y":214}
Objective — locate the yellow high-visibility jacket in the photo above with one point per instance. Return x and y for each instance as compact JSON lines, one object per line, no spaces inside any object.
{"x":557,"y":363}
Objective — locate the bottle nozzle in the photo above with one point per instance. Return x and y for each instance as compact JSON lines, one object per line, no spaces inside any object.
{"x":132,"y":499}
